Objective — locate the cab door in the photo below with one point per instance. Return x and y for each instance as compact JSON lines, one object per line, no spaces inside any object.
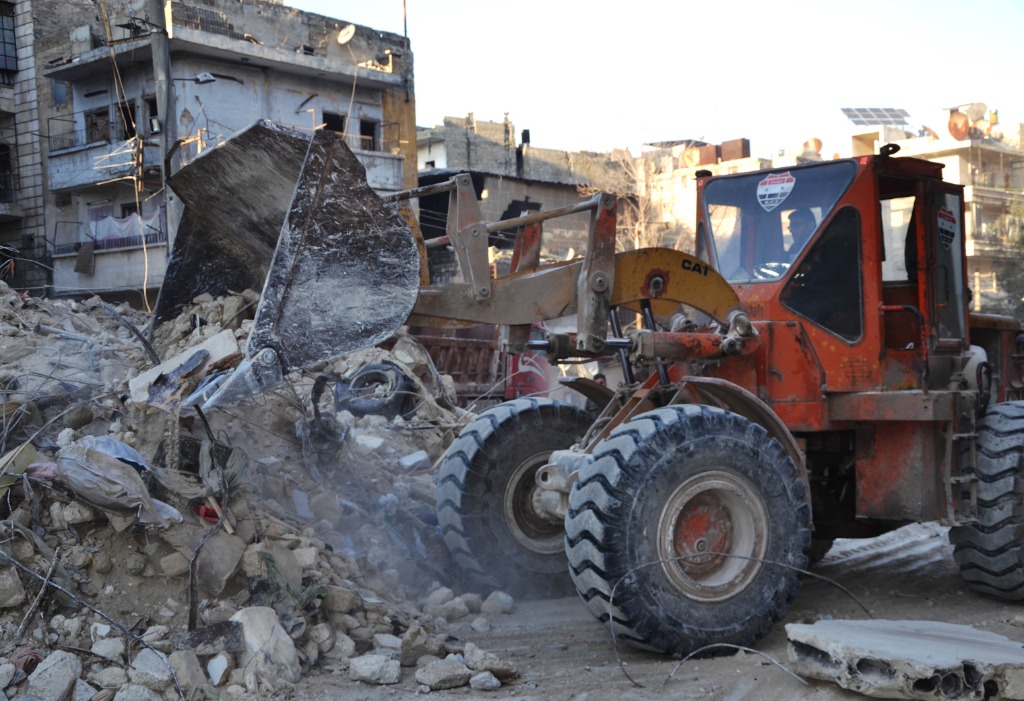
{"x":947,"y":275}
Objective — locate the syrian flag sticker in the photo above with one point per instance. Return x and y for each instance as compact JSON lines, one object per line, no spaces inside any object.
{"x":774,"y":189}
{"x":947,"y":227}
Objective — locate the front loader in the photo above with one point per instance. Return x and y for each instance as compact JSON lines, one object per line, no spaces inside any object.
{"x":776,"y":393}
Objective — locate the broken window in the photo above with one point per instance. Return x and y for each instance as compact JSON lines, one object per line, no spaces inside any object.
{"x":334,"y":122}
{"x":97,"y":126}
{"x":125,"y":128}
{"x":368,"y":135}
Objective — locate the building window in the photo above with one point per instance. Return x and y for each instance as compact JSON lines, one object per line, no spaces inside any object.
{"x":125,"y":128}
{"x":367,"y":135}
{"x":7,"y":191}
{"x":59,"y":91}
{"x":151,"y":114}
{"x":334,"y":122}
{"x":986,"y":282}
{"x":97,"y":125}
{"x":8,"y":49}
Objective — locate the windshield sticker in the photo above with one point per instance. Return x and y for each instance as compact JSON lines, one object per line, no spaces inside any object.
{"x":774,"y":189}
{"x":947,"y":227}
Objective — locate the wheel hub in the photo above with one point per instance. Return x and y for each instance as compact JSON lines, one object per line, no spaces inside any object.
{"x":711,"y":533}
{"x":531,"y":524}
{"x":703,"y":527}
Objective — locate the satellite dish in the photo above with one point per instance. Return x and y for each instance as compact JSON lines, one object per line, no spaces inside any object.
{"x":959,"y":125}
{"x":813,"y":145}
{"x":346,"y":33}
{"x":974,"y":111}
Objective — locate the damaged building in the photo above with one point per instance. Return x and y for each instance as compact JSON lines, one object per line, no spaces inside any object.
{"x":510,"y":178}
{"x":117,"y":84}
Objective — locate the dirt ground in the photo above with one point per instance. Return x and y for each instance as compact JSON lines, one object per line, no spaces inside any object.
{"x":564,"y":653}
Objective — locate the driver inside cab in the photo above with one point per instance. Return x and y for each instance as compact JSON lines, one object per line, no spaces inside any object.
{"x":801,"y":225}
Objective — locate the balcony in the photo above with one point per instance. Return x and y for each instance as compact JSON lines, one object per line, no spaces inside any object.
{"x":90,"y":147}
{"x":109,"y":254}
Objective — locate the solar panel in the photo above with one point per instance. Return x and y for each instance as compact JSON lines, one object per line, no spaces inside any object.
{"x":869,"y":116}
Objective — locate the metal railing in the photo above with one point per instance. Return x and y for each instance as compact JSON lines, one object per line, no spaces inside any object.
{"x":77,"y":130}
{"x":80,"y":233}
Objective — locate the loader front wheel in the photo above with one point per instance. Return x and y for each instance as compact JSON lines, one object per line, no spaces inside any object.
{"x":990,"y":552}
{"x":686,"y":530}
{"x":486,"y":489}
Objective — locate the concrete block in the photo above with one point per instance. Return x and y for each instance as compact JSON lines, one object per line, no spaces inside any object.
{"x":909,"y":659}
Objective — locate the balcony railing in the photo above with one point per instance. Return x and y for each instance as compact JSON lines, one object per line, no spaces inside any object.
{"x":84,"y":128}
{"x":69,"y":237}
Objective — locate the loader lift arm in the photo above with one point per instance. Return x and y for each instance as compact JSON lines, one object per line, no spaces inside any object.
{"x":348,"y":270}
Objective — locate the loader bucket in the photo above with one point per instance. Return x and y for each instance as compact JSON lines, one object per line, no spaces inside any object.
{"x":291,"y":212}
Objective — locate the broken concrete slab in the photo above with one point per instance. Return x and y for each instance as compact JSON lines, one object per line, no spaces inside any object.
{"x":165,"y":385}
{"x":909,"y":659}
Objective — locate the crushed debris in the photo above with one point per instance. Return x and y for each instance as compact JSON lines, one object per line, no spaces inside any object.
{"x":148,"y":550}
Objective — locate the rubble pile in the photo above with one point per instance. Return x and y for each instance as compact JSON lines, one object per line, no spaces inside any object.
{"x":150,"y":551}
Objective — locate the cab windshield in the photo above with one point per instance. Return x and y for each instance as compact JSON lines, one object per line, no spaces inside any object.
{"x":760,"y":223}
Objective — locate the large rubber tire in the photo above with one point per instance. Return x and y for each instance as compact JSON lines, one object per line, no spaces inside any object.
{"x":485,"y":490}
{"x":990,"y":553}
{"x":666,"y":486}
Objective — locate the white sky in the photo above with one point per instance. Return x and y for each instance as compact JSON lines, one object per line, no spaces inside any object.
{"x":581,"y":76}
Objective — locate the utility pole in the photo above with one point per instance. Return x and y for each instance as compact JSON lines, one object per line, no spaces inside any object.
{"x":160,"y":20}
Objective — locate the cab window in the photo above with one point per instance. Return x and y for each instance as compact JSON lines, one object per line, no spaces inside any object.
{"x":825,"y":288}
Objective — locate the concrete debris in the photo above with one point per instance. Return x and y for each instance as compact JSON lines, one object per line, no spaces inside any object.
{"x":12,"y":592}
{"x":109,"y":648}
{"x":448,"y":673}
{"x":310,"y":555}
{"x":498,"y":602}
{"x":909,"y":659}
{"x":218,"y":667}
{"x":375,"y":669}
{"x":187,"y":670}
{"x":484,"y":681}
{"x":419,"y":460}
{"x":481,"y":661}
{"x":55,"y":676}
{"x":151,"y":669}
{"x":136,"y":692}
{"x":172,"y":380}
{"x":269,"y":655}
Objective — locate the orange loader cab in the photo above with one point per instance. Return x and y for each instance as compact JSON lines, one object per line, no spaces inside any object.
{"x":867,"y":343}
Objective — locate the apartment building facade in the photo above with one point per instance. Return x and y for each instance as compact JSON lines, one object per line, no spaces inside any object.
{"x":217,"y":66}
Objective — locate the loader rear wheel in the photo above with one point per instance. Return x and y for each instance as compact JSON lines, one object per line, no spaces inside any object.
{"x":485,"y":498}
{"x":990,"y":553}
{"x":685,"y":530}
